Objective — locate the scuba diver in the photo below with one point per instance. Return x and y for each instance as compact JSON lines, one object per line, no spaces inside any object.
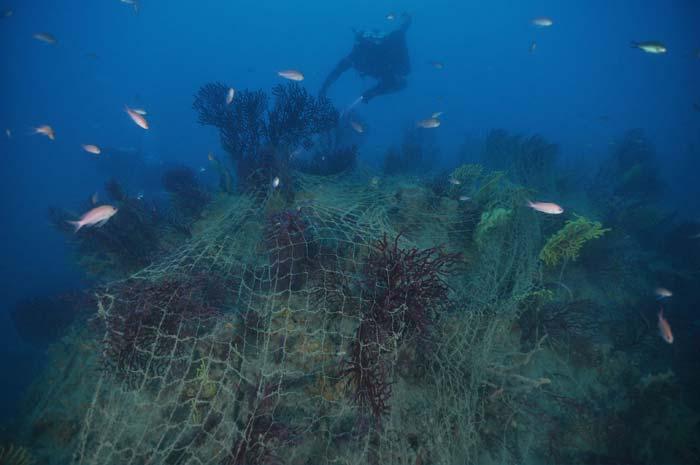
{"x":384,"y":57}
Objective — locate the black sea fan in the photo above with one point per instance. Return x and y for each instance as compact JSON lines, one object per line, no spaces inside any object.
{"x":297,"y":116}
{"x":260,"y":143}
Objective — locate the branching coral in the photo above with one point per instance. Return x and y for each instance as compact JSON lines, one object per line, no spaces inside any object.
{"x":262,"y":433}
{"x":406,"y":292}
{"x":368,"y":369}
{"x":566,"y":243}
{"x":261,"y":145}
{"x":146,"y":327}
{"x":406,"y":287}
{"x":297,"y":116}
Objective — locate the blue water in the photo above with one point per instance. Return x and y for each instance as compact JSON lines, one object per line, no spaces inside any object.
{"x":582,"y":88}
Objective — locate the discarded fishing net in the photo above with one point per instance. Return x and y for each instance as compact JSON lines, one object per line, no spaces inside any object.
{"x":295,"y":334}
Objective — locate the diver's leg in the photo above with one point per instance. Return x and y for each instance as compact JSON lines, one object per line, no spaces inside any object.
{"x":385,"y":86}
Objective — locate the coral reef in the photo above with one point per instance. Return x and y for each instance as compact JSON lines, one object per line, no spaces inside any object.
{"x":566,"y":244}
{"x":260,"y":144}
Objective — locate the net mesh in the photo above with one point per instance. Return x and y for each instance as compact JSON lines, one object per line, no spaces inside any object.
{"x":234,"y":349}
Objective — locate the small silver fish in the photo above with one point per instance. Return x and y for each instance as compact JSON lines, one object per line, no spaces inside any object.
{"x":428,"y":123}
{"x":654,"y":48}
{"x":390,"y":17}
{"x":464,"y":198}
{"x":663,"y":293}
{"x":542,"y":22}
{"x":275,"y":182}
{"x":8,"y":133}
{"x":357,"y":127}
{"x":45,"y":37}
{"x":291,"y":74}
{"x":455,"y":181}
{"x":533,"y":46}
{"x":437,"y":114}
{"x":229,"y":95}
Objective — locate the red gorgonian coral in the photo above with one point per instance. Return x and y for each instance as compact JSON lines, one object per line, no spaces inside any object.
{"x":152,"y":322}
{"x":405,"y":290}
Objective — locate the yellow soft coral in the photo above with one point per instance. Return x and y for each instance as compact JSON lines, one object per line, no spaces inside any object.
{"x":490,"y":220}
{"x":565,"y":244}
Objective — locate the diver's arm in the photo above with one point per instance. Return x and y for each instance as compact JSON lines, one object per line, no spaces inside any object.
{"x":342,"y":66}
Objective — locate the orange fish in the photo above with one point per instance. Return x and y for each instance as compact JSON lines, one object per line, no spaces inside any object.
{"x":93,"y":149}
{"x":137,"y":118}
{"x":665,"y":328}
{"x":546,"y":207}
{"x":45,"y":130}
{"x":96,"y":217}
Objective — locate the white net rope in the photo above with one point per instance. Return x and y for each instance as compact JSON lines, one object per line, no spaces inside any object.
{"x":234,"y":349}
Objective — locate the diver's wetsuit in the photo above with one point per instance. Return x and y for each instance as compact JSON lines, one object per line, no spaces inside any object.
{"x":385,"y":59}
